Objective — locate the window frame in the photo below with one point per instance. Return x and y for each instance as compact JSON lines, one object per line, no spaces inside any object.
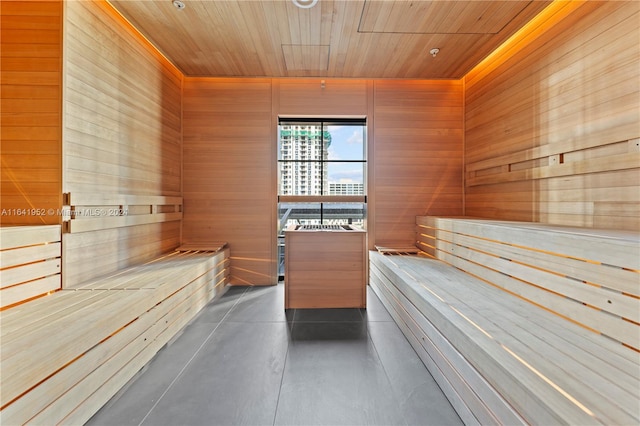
{"x":324,"y":121}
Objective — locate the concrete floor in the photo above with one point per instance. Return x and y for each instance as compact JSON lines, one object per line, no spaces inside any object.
{"x":244,"y":361}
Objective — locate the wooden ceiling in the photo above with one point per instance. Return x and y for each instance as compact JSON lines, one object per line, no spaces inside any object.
{"x":335,"y":38}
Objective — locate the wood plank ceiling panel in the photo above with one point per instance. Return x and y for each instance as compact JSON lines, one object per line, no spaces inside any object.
{"x":335,"y":38}
{"x":439,"y":17}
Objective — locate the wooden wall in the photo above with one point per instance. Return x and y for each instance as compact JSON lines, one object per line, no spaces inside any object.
{"x":122,"y":143}
{"x":418,"y":155}
{"x":306,"y":97}
{"x":547,"y":129}
{"x":30,"y":120}
{"x":230,"y":170}
{"x":553,"y":122}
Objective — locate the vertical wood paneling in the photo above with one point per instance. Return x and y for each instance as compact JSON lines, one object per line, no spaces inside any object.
{"x":122,"y":135}
{"x":30,"y":123}
{"x":229,"y":160}
{"x":418,"y":155}
{"x":552,"y":128}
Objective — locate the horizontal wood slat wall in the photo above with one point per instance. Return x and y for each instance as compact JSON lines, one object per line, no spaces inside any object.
{"x":30,"y":123}
{"x":418,"y":155}
{"x":122,"y":140}
{"x":229,"y":162}
{"x":552,"y":126}
{"x":310,"y":97}
{"x":30,"y":262}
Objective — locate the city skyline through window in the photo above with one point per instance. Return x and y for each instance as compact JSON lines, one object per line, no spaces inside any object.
{"x":321,"y":158}
{"x":321,"y":174}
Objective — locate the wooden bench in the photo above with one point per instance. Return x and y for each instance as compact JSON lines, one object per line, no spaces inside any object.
{"x":65,"y":355}
{"x":30,"y":262}
{"x":522,"y":323}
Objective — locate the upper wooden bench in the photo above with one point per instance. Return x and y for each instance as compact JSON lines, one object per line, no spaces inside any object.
{"x":522,"y":322}
{"x":65,"y":355}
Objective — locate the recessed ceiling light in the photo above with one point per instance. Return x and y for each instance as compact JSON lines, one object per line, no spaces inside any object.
{"x":305,"y":4}
{"x":179,"y":5}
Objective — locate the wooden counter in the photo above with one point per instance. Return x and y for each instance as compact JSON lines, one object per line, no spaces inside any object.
{"x":325,"y":267}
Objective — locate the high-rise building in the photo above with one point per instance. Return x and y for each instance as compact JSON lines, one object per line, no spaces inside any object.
{"x":346,"y":189}
{"x":303,"y":149}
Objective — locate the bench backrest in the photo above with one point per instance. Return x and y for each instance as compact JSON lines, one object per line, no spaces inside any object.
{"x":29,"y":262}
{"x":591,"y":277}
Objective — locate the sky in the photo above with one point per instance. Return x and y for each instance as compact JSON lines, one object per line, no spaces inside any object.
{"x":347,"y":143}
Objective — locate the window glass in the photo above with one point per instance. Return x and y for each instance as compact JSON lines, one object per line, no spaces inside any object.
{"x":347,"y":142}
{"x":313,"y":156}
{"x":344,"y":178}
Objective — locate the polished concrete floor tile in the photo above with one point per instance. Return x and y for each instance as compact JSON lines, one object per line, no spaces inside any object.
{"x":375,"y":309}
{"x":215,"y":311}
{"x":131,"y":404}
{"x":418,"y":394}
{"x":319,"y":332}
{"x":335,"y":380}
{"x":260,"y":304}
{"x":234,"y":380}
{"x":327,"y":315}
{"x":245,"y":360}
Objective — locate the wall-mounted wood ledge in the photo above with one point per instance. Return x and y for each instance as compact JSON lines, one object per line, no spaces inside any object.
{"x":562,"y":160}
{"x":91,"y":212}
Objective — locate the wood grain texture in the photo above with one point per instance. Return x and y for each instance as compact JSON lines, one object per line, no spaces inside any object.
{"x":325,"y":269}
{"x":552,"y":126}
{"x":414,"y":146}
{"x":30,"y":112}
{"x":306,"y":97}
{"x":30,"y":262}
{"x":418,"y":155}
{"x":122,"y":138}
{"x":229,"y":161}
{"x":73,"y":374}
{"x":334,"y":39}
{"x":528,"y":366}
{"x":473,"y":398}
{"x":588,"y":276}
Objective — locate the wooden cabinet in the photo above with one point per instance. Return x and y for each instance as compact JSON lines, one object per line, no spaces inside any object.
{"x":325,"y":267}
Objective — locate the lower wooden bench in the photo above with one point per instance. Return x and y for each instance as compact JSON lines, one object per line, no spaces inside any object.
{"x":65,"y":355}
{"x":501,"y":360}
{"x":522,"y":323}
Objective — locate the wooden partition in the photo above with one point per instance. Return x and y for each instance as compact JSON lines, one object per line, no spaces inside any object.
{"x":30,"y":123}
{"x":228,"y":170}
{"x":418,"y":155}
{"x":122,"y":145}
{"x":552,"y":121}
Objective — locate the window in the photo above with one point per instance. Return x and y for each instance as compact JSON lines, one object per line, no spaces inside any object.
{"x":321,"y":173}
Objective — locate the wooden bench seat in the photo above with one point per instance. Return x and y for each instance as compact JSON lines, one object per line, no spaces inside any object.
{"x":30,"y":262}
{"x":64,"y":355}
{"x":503,"y":359}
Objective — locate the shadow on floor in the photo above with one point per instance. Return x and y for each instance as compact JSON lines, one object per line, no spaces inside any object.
{"x":244,"y":360}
